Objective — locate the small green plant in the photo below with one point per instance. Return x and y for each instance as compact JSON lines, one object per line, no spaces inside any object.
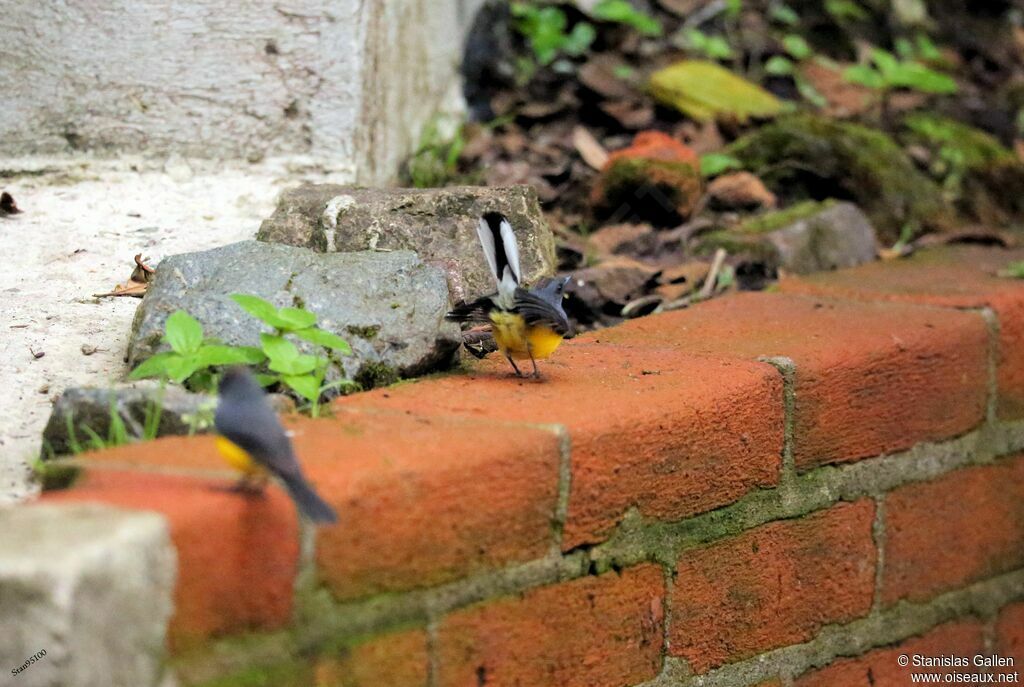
{"x":887,"y":72}
{"x":798,"y":52}
{"x":436,"y":162}
{"x":192,"y":356}
{"x":713,"y":164}
{"x":544,"y":29}
{"x":623,"y":12}
{"x":303,"y":373}
{"x":193,"y":360}
{"x":710,"y":46}
{"x":117,"y":433}
{"x":846,"y":10}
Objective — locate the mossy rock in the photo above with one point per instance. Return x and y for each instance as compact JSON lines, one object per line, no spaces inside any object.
{"x":805,"y":156}
{"x":777,"y":219}
{"x":974,"y":147}
{"x":981,"y":176}
{"x":662,"y":192}
{"x":705,"y":90}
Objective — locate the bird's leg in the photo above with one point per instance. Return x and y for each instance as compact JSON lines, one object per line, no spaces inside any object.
{"x":513,"y":364}
{"x":536,"y":372}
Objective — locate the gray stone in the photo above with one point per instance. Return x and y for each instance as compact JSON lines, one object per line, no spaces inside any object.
{"x":92,"y":587}
{"x":838,"y":236}
{"x":438,"y":224}
{"x":389,"y":306}
{"x":180,"y":412}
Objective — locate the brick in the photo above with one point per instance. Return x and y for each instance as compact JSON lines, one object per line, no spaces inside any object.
{"x":772,"y":586}
{"x":237,"y":555}
{"x":670,"y":434}
{"x":871,"y":378}
{"x":602,"y":631}
{"x":420,"y":500}
{"x":424,"y":500}
{"x":963,"y":527}
{"x":956,"y":277}
{"x":1010,"y":637}
{"x":880,"y":668}
{"x":395,"y":660}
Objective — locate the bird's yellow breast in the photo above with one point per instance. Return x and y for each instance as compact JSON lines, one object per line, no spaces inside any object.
{"x":519,"y":340}
{"x":237,"y":457}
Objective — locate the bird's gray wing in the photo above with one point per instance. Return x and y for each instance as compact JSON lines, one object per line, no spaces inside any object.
{"x":538,"y":311}
{"x":254,"y":426}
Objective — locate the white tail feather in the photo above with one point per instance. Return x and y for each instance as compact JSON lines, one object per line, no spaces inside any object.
{"x":507,"y":274}
{"x":483,"y":230}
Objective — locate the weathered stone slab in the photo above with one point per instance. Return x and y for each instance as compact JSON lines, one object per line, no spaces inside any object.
{"x":92,"y":587}
{"x":438,"y":224}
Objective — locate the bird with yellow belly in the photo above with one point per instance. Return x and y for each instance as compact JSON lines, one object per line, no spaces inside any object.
{"x":526,"y":325}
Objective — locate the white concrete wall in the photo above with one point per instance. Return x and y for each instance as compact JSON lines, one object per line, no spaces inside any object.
{"x":347,"y":81}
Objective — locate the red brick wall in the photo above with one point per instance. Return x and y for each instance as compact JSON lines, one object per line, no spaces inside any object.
{"x":650,"y":510}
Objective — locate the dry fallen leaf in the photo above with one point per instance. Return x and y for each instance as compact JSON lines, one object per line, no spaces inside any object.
{"x":589,"y":148}
{"x":136,"y":285}
{"x":7,"y":205}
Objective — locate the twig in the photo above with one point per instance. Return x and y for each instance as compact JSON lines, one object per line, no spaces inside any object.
{"x":709,"y":282}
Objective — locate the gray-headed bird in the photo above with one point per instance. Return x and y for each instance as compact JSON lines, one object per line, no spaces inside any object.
{"x":526,"y":325}
{"x":253,"y":442}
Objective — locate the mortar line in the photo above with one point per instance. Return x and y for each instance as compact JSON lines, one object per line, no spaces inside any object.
{"x":433,"y":660}
{"x":992,"y":363}
{"x":561,"y":513}
{"x":894,"y":625}
{"x":878,"y":533}
{"x":787,"y":370}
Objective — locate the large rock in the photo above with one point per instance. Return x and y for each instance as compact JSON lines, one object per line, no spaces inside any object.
{"x":810,"y":237}
{"x":438,"y":224}
{"x":389,"y":306}
{"x":91,"y":586}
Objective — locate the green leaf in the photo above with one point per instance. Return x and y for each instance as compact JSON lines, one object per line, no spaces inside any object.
{"x":181,"y":368}
{"x":784,"y":14}
{"x":713,"y":164}
{"x":262,"y":310}
{"x":325,"y":339}
{"x":810,"y":93}
{"x":183,"y":332}
{"x":303,"y":364}
{"x":926,"y":49}
{"x":705,"y":90}
{"x":779,"y":66}
{"x":297,"y":318}
{"x":278,"y":348}
{"x":623,"y":12}
{"x":886,"y":63}
{"x":212,"y":356}
{"x":155,"y":366}
{"x":304,"y":385}
{"x":904,"y":48}
{"x":579,"y":40}
{"x":921,"y":78}
{"x":863,"y":75}
{"x":796,"y":46}
{"x":845,"y":9}
{"x":718,"y":48}
{"x":265,"y":380}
